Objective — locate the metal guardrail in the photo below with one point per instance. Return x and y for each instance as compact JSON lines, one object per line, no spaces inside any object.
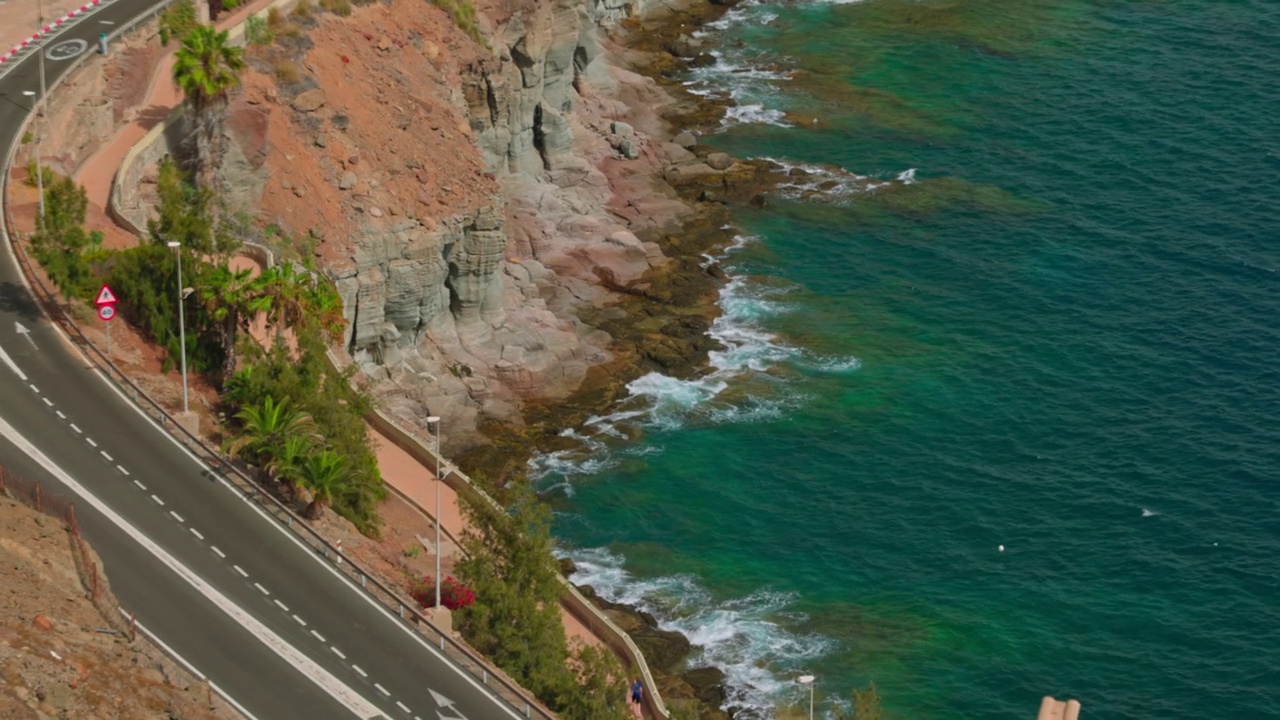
{"x":461,"y":656}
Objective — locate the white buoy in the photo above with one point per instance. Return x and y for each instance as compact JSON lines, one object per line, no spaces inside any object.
{"x":1000,"y":548}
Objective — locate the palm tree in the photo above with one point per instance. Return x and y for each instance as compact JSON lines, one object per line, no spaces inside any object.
{"x":290,"y":297}
{"x":227,"y":295}
{"x":288,"y":463}
{"x":265,"y":429}
{"x":207,"y":67}
{"x":324,"y":474}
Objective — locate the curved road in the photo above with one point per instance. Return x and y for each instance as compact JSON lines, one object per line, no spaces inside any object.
{"x":218,"y":581}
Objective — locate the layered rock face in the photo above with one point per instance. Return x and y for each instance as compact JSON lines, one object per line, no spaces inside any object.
{"x":469,"y":203}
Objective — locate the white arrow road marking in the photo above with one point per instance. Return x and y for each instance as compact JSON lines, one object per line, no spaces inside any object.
{"x":4,"y":356}
{"x":24,"y":332}
{"x":447,"y":704}
{"x":325,"y":680}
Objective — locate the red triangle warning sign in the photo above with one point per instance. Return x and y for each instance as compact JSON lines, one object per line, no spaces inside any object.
{"x":105,"y":297}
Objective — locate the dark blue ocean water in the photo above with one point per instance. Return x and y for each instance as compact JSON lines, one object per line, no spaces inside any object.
{"x":1032,"y":300}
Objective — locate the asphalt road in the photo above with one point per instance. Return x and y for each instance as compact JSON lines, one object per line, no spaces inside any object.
{"x":227,"y":588}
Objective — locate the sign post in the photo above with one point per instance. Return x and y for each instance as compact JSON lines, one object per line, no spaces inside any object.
{"x":106,"y":303}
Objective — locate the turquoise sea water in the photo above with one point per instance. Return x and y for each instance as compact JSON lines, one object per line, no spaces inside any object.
{"x":1052,"y":323}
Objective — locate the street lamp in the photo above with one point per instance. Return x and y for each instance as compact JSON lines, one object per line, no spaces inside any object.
{"x":39,"y":170}
{"x":182,"y":329}
{"x":435,"y":420}
{"x":808,"y":680}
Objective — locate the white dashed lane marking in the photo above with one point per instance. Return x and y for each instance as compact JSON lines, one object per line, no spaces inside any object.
{"x":197,"y":533}
{"x":240,"y":570}
{"x":141,"y":487}
{"x":382,"y":690}
{"x":259,"y":586}
{"x":59,"y":414}
{"x":301,"y":622}
{"x":158,"y":500}
{"x":36,"y":389}
{"x":121,"y":469}
{"x":105,"y":455}
{"x":360,"y":670}
{"x":218,"y":552}
{"x":338,"y":652}
{"x":318,"y":636}
{"x":176,"y":516}
{"x":47,"y":401}
{"x":282,"y":606}
{"x":404,"y":708}
{"x":91,"y":442}
{"x":77,"y":429}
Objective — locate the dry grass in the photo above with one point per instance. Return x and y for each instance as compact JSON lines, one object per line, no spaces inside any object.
{"x":302,"y":9}
{"x":337,"y":7}
{"x":287,"y":72}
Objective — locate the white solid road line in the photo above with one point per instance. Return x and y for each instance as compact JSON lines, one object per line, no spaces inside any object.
{"x":4,"y":357}
{"x":192,"y":668}
{"x":326,"y":681}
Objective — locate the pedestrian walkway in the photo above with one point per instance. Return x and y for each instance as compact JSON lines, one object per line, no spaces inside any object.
{"x":163,"y":96}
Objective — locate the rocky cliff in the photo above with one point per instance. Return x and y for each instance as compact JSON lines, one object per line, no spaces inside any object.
{"x":469,"y":201}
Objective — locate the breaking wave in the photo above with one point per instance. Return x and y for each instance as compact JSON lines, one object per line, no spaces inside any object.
{"x":740,"y":636}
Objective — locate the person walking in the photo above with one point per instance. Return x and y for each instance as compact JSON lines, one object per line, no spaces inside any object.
{"x":637,"y":691}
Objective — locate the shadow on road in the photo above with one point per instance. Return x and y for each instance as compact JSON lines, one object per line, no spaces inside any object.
{"x":14,"y":298}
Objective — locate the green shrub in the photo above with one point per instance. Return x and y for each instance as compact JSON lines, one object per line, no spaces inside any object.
{"x":27,"y":137}
{"x":257,"y":32}
{"x":30,"y":179}
{"x":464,"y":16}
{"x":61,"y":245}
{"x":177,"y":21}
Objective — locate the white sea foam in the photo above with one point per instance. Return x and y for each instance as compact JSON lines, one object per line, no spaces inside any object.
{"x":744,"y":637}
{"x":1149,"y":513}
{"x":809,"y":181}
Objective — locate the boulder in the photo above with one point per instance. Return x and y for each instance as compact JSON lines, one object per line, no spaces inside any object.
{"x":686,"y":140}
{"x":347,"y":181}
{"x":719,"y":161}
{"x":309,"y":101}
{"x":621,"y":129}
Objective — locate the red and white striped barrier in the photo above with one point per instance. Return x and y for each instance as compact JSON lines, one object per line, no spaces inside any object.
{"x":49,"y":28}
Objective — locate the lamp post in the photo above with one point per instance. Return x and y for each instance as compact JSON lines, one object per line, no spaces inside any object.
{"x":808,"y":680}
{"x":435,"y":420}
{"x":182,"y":329}
{"x":39,"y":170}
